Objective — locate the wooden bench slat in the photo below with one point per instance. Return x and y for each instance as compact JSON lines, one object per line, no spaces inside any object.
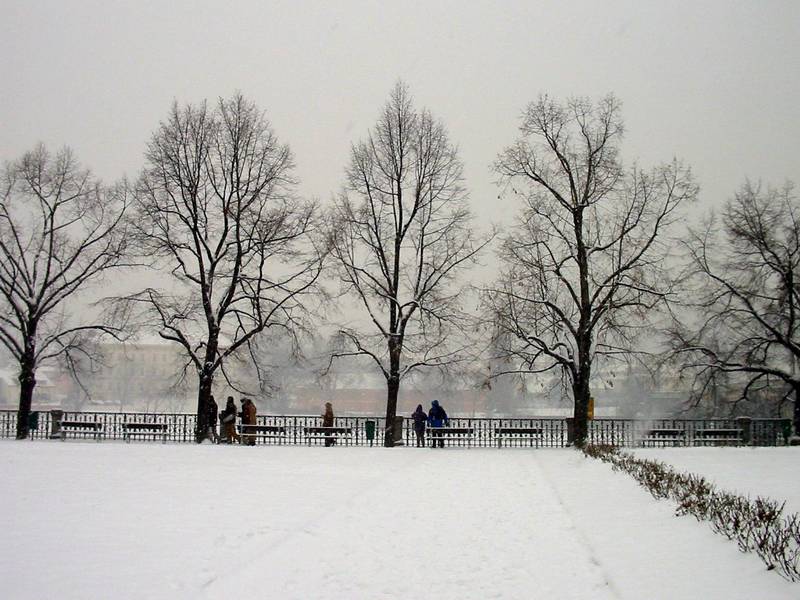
{"x":518,"y":431}
{"x":317,"y":430}
{"x":666,"y":432}
{"x":328,"y":434}
{"x":663,"y":436}
{"x":144,"y":430}
{"x":93,"y":428}
{"x":439,"y":434}
{"x":717,"y":432}
{"x":263,"y":432}
{"x":262,"y":429}
{"x":711,"y":436}
{"x":81,"y":425}
{"x":452,"y":430}
{"x":144,"y":426}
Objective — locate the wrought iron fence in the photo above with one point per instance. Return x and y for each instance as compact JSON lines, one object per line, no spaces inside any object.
{"x":475,"y":432}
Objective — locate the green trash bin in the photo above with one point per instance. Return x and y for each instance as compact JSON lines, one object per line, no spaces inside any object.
{"x":786,"y":430}
{"x":369,"y":429}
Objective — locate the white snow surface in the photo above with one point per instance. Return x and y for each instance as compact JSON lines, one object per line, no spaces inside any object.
{"x":111,"y":520}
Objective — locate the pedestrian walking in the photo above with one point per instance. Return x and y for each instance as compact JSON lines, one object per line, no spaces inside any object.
{"x":437,"y":418}
{"x":228,"y":418}
{"x":327,"y":421}
{"x":420,"y":418}
{"x":248,"y":422}
{"x":212,"y":419}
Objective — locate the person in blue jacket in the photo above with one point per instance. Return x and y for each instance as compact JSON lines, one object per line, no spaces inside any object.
{"x":437,"y":417}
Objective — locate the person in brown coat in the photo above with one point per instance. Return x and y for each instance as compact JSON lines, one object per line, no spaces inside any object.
{"x":248,"y":418}
{"x":228,"y":419}
{"x":327,"y":421}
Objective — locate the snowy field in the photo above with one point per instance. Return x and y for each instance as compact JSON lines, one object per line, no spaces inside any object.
{"x":105,"y":521}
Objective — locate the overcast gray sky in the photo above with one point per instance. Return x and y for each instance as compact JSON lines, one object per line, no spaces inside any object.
{"x":715,"y":83}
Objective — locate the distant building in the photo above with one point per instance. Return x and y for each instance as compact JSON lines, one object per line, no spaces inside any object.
{"x":47,"y":394}
{"x":140,"y":376}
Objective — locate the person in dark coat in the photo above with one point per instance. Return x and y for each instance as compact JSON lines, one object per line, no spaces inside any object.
{"x":212,"y":419}
{"x":228,"y":418}
{"x":437,"y":417}
{"x":327,"y":421}
{"x":420,"y":418}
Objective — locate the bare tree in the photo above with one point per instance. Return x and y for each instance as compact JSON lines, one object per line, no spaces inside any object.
{"x":584,"y":263}
{"x":215,"y":206}
{"x":60,"y":230}
{"x":745,"y":271}
{"x":401,"y":233}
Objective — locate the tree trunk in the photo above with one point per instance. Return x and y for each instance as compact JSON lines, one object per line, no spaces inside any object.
{"x":393,"y":388}
{"x":796,"y":409}
{"x":580,"y":386}
{"x":580,"y":391}
{"x":27,"y":382}
{"x":203,"y":395}
{"x":204,"y":389}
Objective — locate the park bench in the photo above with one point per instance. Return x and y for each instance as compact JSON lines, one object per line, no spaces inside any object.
{"x":529,"y":434}
{"x":145,"y":431}
{"x":328,"y":433}
{"x":664,"y":437}
{"x":451,"y":433}
{"x":81,"y":429}
{"x":264,"y":432}
{"x":717,"y":437}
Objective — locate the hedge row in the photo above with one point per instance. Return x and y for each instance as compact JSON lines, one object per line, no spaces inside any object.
{"x":758,"y":525}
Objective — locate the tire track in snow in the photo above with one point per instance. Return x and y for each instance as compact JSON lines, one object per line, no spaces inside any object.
{"x":491,"y":522}
{"x":259,"y":547}
{"x":589,"y":550}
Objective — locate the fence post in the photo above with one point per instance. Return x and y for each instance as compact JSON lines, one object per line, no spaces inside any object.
{"x":570,"y":430}
{"x":746,"y":425}
{"x":397,"y":430}
{"x":55,"y":423}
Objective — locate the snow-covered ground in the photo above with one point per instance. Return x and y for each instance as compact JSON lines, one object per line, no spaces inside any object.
{"x":89,"y":520}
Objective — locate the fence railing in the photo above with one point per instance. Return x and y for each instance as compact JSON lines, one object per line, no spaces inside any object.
{"x":470,"y":432}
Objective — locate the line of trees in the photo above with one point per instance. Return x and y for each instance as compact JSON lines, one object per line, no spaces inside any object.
{"x":597,"y":257}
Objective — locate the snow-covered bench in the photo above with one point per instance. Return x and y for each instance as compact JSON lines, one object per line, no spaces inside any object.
{"x":529,"y":434}
{"x":717,"y":437}
{"x":264,"y":432}
{"x":144,"y":430}
{"x":451,"y":433}
{"x":81,"y":429}
{"x":328,"y":433}
{"x":664,"y":437}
